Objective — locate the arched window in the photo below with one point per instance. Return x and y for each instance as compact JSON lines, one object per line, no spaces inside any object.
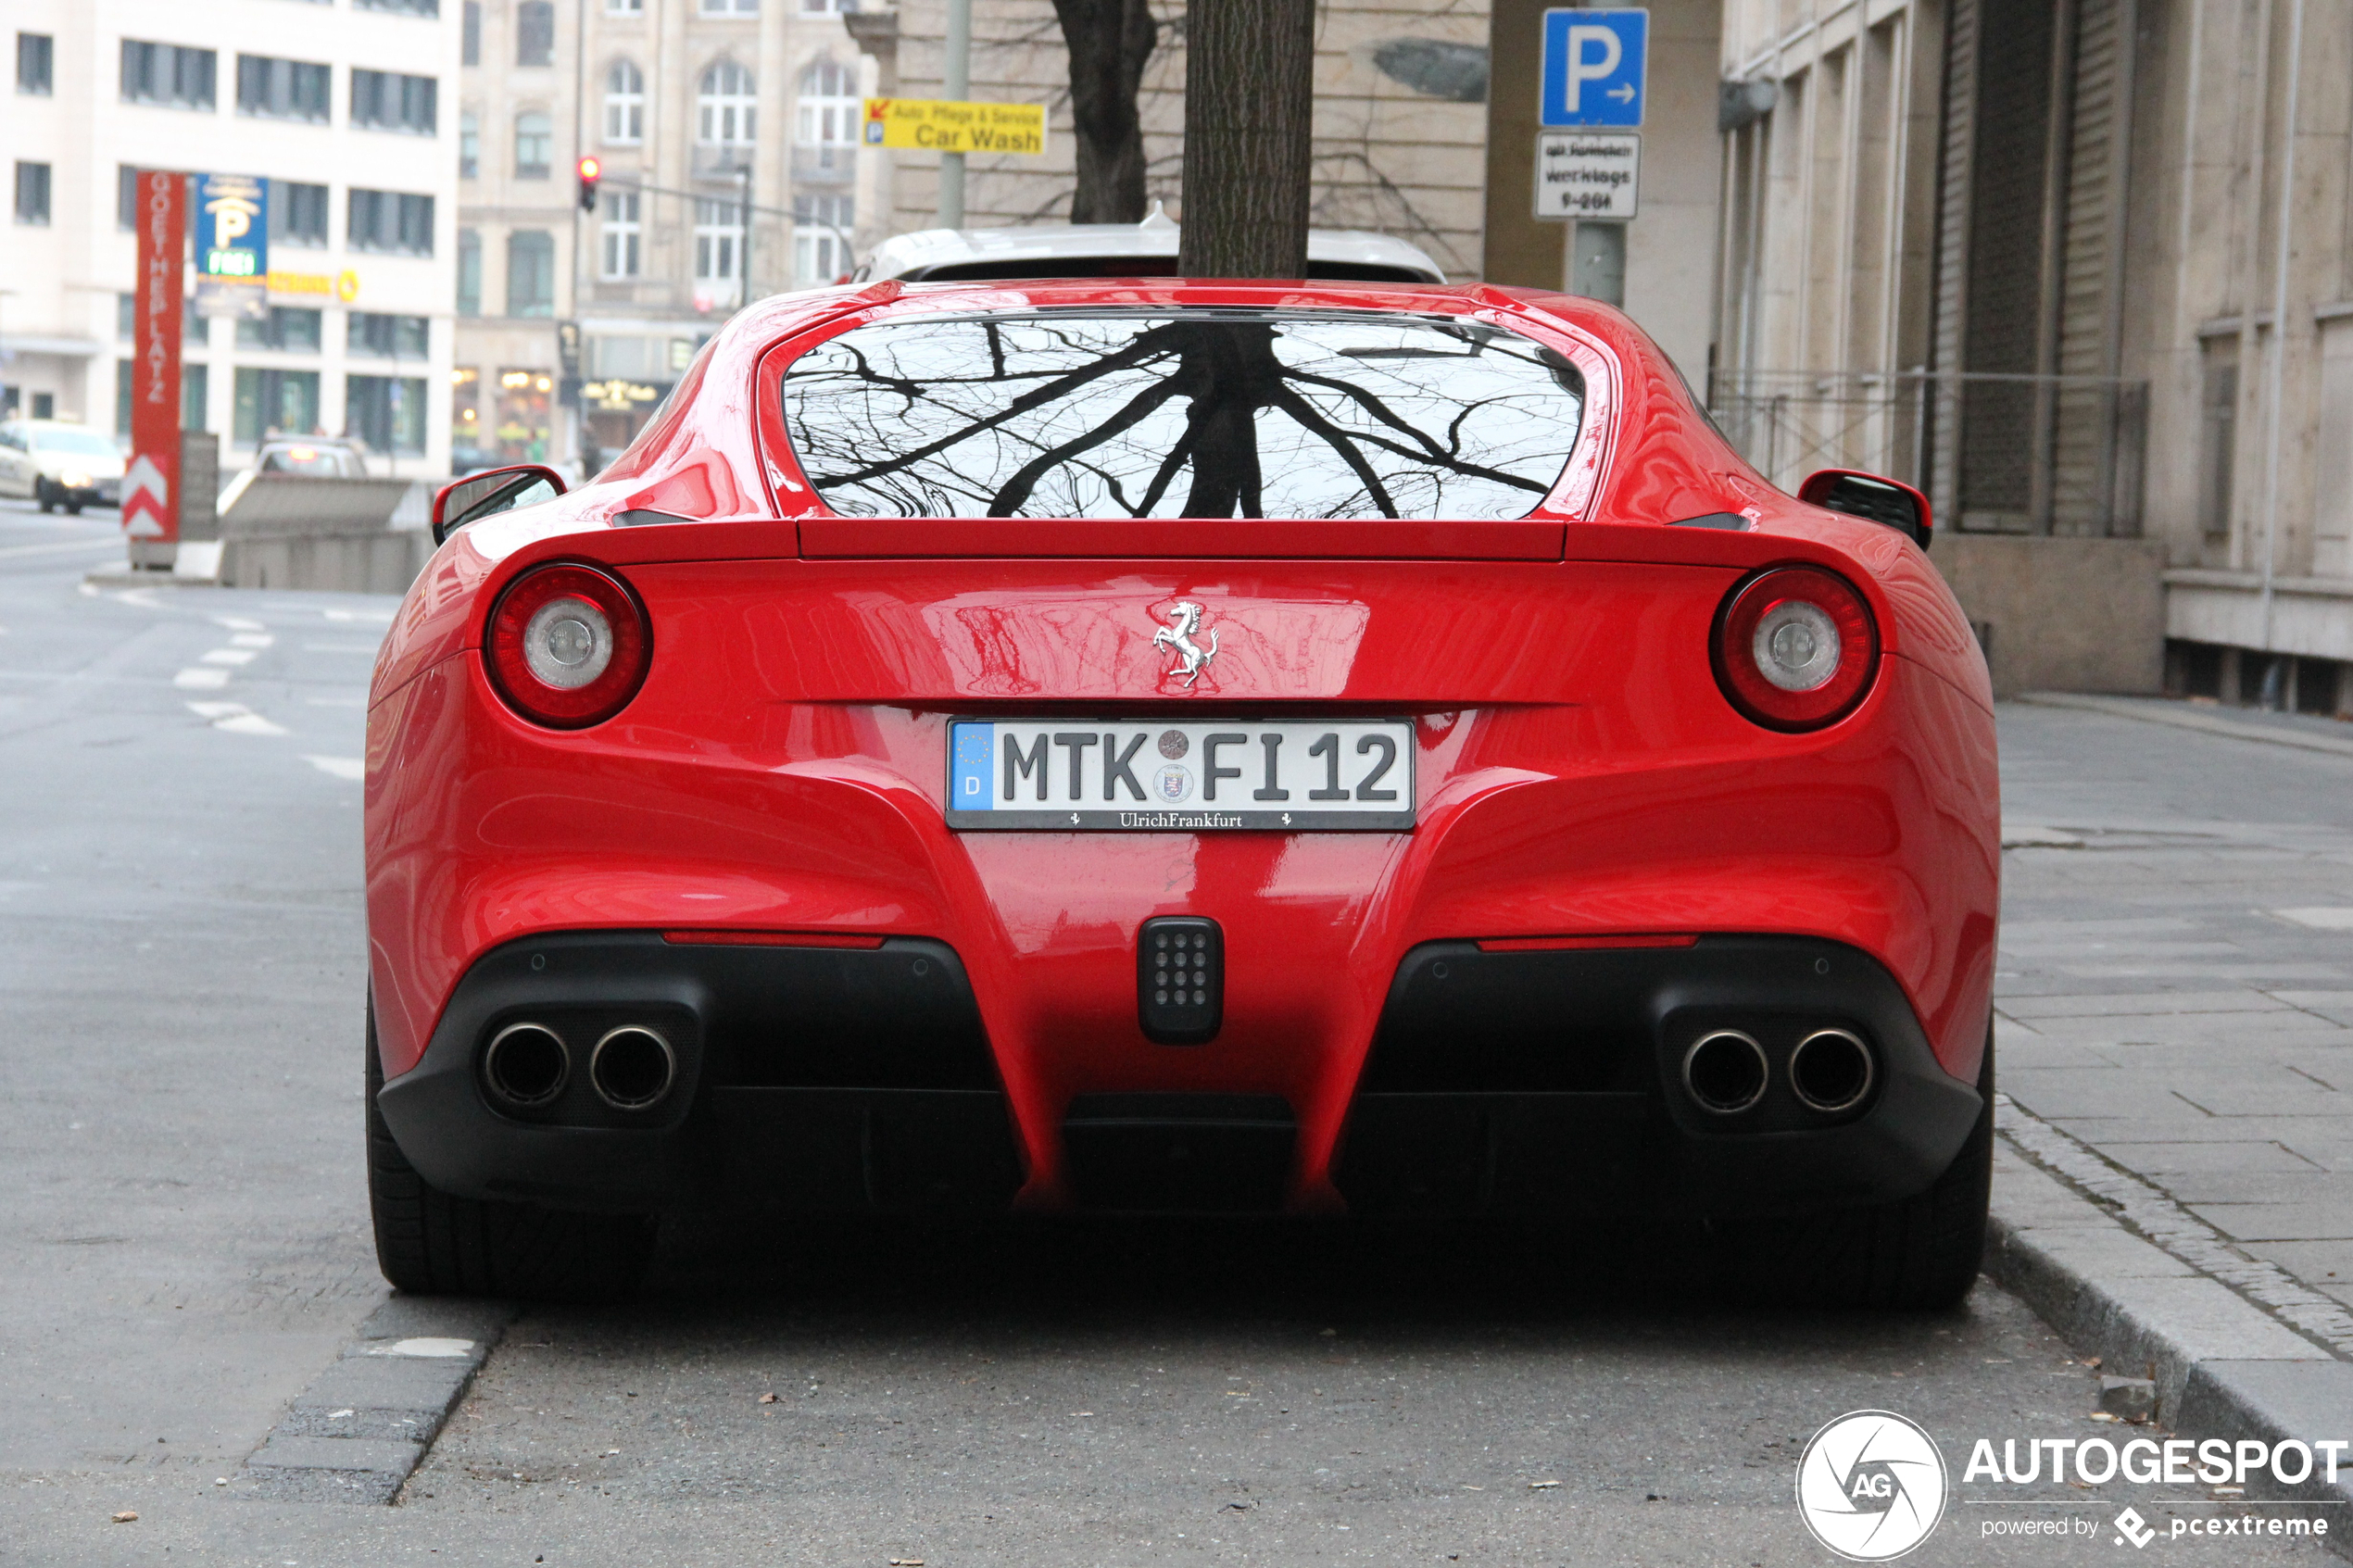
{"x":724,"y":105}
{"x":828,"y":105}
{"x":535,"y":145}
{"x":625,"y":104}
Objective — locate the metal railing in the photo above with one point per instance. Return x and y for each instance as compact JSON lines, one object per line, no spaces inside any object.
{"x":2009,"y":454}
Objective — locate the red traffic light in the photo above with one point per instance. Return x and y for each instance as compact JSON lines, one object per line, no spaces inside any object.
{"x":589,"y":173}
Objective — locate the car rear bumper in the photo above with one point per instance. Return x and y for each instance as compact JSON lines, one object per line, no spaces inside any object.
{"x":1500,"y":1077}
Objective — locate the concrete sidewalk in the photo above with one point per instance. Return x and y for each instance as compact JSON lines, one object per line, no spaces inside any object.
{"x":2174,"y":1022}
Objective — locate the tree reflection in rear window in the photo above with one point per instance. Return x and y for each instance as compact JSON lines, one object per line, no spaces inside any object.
{"x":1227,"y":413}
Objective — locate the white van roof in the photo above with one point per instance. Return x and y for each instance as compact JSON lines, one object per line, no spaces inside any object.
{"x":1115,"y":250}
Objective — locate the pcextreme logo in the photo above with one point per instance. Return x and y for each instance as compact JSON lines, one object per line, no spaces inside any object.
{"x":1871,"y":1485}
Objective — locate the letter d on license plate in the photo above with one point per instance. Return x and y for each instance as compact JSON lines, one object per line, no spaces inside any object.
{"x":1087,"y":775}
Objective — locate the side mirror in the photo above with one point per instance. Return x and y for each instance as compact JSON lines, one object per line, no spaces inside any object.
{"x":479,"y":495}
{"x":1867,"y":495}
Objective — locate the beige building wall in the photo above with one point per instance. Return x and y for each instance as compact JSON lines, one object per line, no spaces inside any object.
{"x":1390,"y":156}
{"x":2162,"y":272}
{"x":677,"y":99}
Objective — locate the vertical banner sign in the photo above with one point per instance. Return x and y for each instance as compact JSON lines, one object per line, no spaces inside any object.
{"x":151,"y":489}
{"x":233,"y":245}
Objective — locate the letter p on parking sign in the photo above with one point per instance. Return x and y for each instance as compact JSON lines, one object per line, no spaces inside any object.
{"x":1593,"y":68}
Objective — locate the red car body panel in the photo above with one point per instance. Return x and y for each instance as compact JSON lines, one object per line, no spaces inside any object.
{"x":1579,"y":775}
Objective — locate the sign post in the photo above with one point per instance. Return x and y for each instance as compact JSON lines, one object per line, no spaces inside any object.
{"x":151,"y":488}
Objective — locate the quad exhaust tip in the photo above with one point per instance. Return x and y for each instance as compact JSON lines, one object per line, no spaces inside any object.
{"x":1725,"y":1072}
{"x":632,"y":1068}
{"x":1832,"y":1071}
{"x":526,"y":1064}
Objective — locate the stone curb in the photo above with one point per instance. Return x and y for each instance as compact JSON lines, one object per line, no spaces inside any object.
{"x":2224,"y":1365}
{"x":2181,"y":716}
{"x":364,"y":1423}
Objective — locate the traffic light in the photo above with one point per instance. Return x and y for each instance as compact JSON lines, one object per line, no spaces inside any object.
{"x":589,"y":174}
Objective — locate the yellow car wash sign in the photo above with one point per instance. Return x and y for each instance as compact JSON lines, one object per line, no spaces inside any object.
{"x":945,"y":125}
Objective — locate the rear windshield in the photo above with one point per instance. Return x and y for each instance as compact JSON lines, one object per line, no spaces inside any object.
{"x":1085,"y":414}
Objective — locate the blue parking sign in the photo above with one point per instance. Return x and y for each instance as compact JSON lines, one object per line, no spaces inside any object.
{"x":1593,"y":63}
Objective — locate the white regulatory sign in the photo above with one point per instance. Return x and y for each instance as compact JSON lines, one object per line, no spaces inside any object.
{"x":1587,"y":173}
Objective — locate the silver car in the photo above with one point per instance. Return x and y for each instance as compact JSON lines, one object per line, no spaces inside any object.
{"x":59,"y":465}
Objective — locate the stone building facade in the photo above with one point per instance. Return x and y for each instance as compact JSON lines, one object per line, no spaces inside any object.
{"x":573,"y":324}
{"x":2083,"y":269}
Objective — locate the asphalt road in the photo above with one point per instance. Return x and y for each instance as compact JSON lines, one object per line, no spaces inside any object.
{"x":181,"y":975}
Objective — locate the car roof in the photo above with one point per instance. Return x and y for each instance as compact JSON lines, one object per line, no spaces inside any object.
{"x":1045,"y":250}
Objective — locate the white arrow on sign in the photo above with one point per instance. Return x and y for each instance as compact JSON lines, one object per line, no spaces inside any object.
{"x":144,"y":495}
{"x":1623,"y":93}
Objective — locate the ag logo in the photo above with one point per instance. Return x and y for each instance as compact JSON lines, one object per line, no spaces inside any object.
{"x":1871,"y":1485}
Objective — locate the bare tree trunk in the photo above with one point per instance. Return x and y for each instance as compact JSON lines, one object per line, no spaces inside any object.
{"x":1250,"y":95}
{"x":1109,"y":41}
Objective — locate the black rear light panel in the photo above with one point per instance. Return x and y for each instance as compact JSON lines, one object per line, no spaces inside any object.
{"x":1180,"y":979}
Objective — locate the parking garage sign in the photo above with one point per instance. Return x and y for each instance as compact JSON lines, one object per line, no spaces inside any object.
{"x":1594,"y":69}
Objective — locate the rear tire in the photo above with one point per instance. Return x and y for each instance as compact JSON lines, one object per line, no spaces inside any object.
{"x":41,"y":496}
{"x":73,"y":508}
{"x":1919,"y":1254}
{"x":429,"y":1243}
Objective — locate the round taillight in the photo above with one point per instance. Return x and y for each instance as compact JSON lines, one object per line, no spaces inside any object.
{"x":568,"y":645}
{"x":1796,"y":647}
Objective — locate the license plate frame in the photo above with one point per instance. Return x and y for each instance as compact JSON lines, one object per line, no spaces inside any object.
{"x":1110,"y":766}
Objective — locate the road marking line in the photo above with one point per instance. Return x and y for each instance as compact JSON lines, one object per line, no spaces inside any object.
{"x":372,"y":617}
{"x":230,"y":655}
{"x":60,"y":546}
{"x":238,"y":623}
{"x":194,"y":680}
{"x":370,"y":649}
{"x":341,"y":768}
{"x":252,"y":640}
{"x":2327,"y":917}
{"x":235,"y":718}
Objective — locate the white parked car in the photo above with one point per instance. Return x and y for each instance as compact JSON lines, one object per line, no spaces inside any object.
{"x":1119,"y":250}
{"x":59,"y":465}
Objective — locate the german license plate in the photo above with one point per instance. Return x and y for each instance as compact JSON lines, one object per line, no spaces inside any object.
{"x":1088,"y":775}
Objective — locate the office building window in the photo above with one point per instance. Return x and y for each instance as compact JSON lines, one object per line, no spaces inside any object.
{"x":282,"y":89}
{"x":724,"y":104}
{"x":718,"y":233}
{"x":821,"y":7}
{"x":535,"y":145}
{"x":406,"y":7}
{"x":469,"y":272}
{"x":387,"y":336}
{"x":535,"y":34}
{"x":196,"y":386}
{"x":625,"y":104}
{"x":386,"y":100}
{"x":465,"y":412}
{"x":469,"y":144}
{"x":297,"y":214}
{"x":387,"y":221}
{"x":32,"y":194}
{"x":273,"y":402}
{"x":387,"y":412}
{"x":469,"y":35}
{"x":621,"y":233}
{"x":625,"y":7}
{"x":531,"y":272}
{"x":290,"y":329}
{"x":828,"y":105}
{"x":36,"y":63}
{"x":820,"y":237}
{"x":731,"y":8}
{"x":167,"y":74}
